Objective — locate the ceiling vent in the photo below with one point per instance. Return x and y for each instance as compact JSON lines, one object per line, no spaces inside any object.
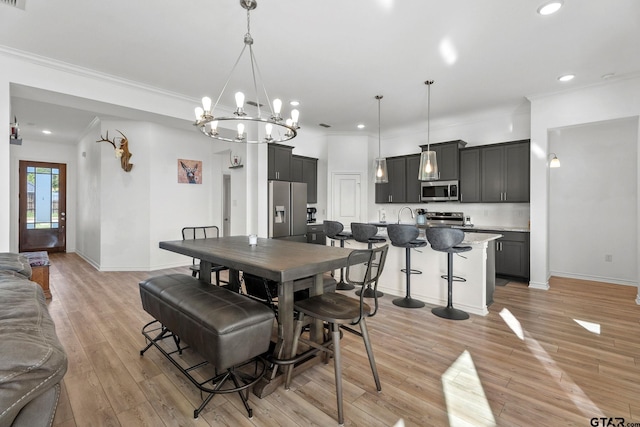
{"x":324,"y":125}
{"x":254,"y":104}
{"x":15,"y":3}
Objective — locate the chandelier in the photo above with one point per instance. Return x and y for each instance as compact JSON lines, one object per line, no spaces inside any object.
{"x":428,"y":162}
{"x":269,"y":127}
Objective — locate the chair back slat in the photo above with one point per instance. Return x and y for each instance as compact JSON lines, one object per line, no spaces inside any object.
{"x":205,"y":232}
{"x":361,"y":273}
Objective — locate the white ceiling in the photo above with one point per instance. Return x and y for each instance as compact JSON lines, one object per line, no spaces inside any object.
{"x":333,"y":56}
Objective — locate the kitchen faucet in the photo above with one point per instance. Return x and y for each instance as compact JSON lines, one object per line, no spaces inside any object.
{"x":402,"y":209}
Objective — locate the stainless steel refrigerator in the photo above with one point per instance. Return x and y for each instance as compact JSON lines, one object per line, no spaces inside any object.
{"x":288,"y":210}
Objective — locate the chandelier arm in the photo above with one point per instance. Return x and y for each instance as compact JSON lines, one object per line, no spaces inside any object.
{"x":254,"y":66}
{"x":229,"y":78}
{"x":261,"y":80}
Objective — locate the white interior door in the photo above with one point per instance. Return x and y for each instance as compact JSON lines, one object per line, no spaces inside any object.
{"x":346,"y":198}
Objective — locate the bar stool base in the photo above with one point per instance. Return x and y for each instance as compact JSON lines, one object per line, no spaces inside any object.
{"x":450,"y":313}
{"x":408,"y":302}
{"x":343,"y":286}
{"x":370,"y":293}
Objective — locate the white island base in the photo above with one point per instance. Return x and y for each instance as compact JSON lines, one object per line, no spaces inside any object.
{"x":477,"y":266}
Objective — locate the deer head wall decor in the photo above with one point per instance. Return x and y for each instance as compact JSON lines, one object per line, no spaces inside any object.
{"x":121,"y":149}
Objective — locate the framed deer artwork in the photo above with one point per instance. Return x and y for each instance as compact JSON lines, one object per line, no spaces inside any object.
{"x":189,"y":171}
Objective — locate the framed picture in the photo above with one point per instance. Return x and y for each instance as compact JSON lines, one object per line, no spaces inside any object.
{"x":189,"y":171}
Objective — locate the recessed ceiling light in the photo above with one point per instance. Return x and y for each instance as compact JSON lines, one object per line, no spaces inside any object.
{"x":46,"y":132}
{"x":566,"y":78}
{"x":360,"y":126}
{"x":550,"y":7}
{"x":294,"y":103}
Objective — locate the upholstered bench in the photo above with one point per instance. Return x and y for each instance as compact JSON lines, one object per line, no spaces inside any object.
{"x":225,"y":328}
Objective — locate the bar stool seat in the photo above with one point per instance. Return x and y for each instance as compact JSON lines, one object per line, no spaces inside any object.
{"x":367,"y":233}
{"x":405,"y":236}
{"x":334,"y":231}
{"x":445,"y":239}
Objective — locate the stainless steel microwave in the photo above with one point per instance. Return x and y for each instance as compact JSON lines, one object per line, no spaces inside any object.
{"x":438,"y":191}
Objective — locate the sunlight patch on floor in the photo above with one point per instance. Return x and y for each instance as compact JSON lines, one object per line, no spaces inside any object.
{"x":512,"y":323}
{"x":466,"y":401}
{"x":589,"y":326}
{"x":582,"y":402}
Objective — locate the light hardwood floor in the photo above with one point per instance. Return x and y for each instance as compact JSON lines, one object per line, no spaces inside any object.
{"x":531,"y":361}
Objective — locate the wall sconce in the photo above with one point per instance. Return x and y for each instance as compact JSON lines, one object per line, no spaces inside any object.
{"x":121,"y":150}
{"x":555,"y":162}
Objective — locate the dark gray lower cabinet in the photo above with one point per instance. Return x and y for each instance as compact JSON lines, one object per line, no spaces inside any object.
{"x":512,"y":254}
{"x":315,"y":234}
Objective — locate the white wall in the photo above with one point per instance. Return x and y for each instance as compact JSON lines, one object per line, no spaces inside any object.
{"x":593,"y":201}
{"x":5,"y":166}
{"x":87,"y":220}
{"x":610,"y":101}
{"x":43,"y":151}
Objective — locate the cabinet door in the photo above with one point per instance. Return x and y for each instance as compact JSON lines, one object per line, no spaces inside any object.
{"x":470,"y":188}
{"x":310,"y":176}
{"x":516,"y":172}
{"x":447,"y":156}
{"x":492,"y":174}
{"x":394,"y":191}
{"x":396,"y":168}
{"x":512,"y":254}
{"x":279,"y":164}
{"x":297,"y":169}
{"x":412,"y":167}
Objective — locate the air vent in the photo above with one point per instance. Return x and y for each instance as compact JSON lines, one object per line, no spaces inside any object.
{"x":15,"y":3}
{"x":324,"y":125}
{"x":254,"y":103}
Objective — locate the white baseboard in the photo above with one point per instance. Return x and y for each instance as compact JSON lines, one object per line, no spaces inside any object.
{"x":539,"y":285}
{"x":594,"y":278}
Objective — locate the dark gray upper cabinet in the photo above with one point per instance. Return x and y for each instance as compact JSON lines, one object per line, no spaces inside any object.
{"x":470,"y":189}
{"x":505,"y":172}
{"x":412,"y":166}
{"x":395,"y":191}
{"x":447,"y":158}
{"x":279,"y":167}
{"x":495,"y":173}
{"x":305,"y":169}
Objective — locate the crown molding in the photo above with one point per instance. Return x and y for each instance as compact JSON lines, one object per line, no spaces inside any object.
{"x":66,"y":67}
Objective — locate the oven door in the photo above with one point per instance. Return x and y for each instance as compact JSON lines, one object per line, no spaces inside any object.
{"x":439,"y":191}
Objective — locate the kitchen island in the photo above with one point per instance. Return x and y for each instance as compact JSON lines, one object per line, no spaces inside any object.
{"x":477,"y":266}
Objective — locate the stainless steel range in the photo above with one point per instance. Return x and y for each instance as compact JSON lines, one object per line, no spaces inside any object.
{"x":435,"y":219}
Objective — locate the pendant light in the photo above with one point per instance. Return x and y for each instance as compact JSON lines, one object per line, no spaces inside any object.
{"x":428,"y":162}
{"x":380,"y":165}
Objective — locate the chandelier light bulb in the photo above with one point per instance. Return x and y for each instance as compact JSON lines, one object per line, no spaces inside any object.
{"x":268,"y":128}
{"x":240,"y":131}
{"x":277,"y":106}
{"x":214,"y":127}
{"x":206,"y":104}
{"x":199,"y":112}
{"x":239,"y":100}
{"x":295,"y":115}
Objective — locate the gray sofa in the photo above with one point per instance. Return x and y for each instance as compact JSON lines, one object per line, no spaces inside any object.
{"x":32,"y":360}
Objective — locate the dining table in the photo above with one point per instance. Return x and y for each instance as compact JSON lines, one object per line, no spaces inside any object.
{"x":279,"y":260}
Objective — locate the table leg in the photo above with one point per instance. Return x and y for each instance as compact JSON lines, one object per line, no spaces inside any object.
{"x":315,"y":332}
{"x":205,"y":271}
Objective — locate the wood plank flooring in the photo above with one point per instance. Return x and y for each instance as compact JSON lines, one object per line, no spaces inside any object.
{"x":531,"y":361}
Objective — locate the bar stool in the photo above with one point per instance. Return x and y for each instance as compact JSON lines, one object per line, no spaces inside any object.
{"x":404,"y":236}
{"x":445,"y":239}
{"x":366,"y":233}
{"x":333,"y":230}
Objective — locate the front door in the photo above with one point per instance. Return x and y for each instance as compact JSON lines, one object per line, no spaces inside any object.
{"x":42,"y":207}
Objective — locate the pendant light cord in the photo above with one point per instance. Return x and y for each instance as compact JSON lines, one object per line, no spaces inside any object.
{"x":429,"y":83}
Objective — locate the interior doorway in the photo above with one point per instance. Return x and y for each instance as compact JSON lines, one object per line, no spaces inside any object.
{"x":42,"y":206}
{"x":346,"y":198}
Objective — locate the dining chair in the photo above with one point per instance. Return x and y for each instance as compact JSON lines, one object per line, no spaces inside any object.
{"x":206,"y":232}
{"x":339,"y":311}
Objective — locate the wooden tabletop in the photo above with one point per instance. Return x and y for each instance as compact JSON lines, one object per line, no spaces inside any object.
{"x":274,"y":259}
